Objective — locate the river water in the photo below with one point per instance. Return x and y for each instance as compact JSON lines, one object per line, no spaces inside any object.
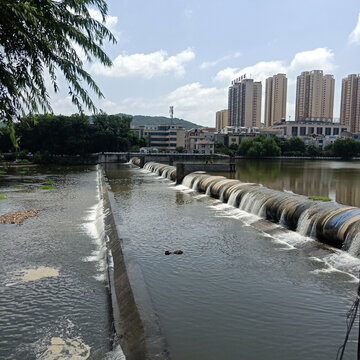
{"x":54,"y":301}
{"x":244,"y":288}
{"x":339,"y":180}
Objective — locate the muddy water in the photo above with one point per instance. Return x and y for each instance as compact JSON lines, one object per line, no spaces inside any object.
{"x":243,"y":288}
{"x":54,"y":299}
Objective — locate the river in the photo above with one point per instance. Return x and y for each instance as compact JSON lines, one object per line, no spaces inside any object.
{"x":54,"y":299}
{"x":244,"y":288}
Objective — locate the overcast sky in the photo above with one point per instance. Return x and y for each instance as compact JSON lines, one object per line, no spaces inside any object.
{"x":185,"y":53}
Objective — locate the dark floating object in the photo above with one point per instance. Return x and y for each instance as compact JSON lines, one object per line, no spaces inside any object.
{"x":178,"y":252}
{"x":167,"y":252}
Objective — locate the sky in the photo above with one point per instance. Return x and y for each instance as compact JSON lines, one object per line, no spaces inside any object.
{"x":186,"y":53}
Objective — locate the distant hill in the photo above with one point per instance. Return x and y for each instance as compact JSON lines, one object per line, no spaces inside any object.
{"x":139,"y":120}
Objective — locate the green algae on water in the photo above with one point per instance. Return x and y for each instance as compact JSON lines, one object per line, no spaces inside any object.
{"x":46,"y":187}
{"x":321,"y":198}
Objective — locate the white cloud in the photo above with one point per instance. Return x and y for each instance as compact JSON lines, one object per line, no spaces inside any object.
{"x":191,"y":102}
{"x":146,"y":65}
{"x":110,"y":21}
{"x":63,"y":105}
{"x":290,"y":109}
{"x":208,"y":64}
{"x":197,"y":103}
{"x":320,"y":58}
{"x":354,"y":37}
{"x":259,"y":71}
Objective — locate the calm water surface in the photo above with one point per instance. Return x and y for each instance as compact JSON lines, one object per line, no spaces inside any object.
{"x":244,"y":288}
{"x":339,"y":180}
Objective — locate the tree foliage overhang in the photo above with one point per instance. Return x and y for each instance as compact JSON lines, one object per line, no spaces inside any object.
{"x":38,"y":36}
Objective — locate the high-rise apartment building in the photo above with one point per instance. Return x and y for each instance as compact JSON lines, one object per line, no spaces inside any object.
{"x":350,"y":102}
{"x":314,"y":96}
{"x":245,"y":103}
{"x":275,"y":99}
{"x":222,"y":119}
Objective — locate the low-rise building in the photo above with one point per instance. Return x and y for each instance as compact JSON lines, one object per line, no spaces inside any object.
{"x":193,"y":136}
{"x":289,"y":129}
{"x":163,"y":137}
{"x":206,"y":147}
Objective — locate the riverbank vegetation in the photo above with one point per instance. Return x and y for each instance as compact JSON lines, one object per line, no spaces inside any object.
{"x":54,"y":135}
{"x":262,"y":146}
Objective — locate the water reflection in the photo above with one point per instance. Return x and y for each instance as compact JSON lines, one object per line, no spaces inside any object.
{"x":338,"y":180}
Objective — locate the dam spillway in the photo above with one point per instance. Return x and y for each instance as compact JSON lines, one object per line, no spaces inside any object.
{"x":332,"y":223}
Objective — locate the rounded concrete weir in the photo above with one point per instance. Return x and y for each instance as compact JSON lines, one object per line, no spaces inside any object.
{"x":328,"y":221}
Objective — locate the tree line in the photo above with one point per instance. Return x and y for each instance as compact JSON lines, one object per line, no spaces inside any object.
{"x":262,"y":146}
{"x":70,"y":135}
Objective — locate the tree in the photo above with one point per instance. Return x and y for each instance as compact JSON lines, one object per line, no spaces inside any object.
{"x":346,"y":148}
{"x":259,"y":146}
{"x":38,"y":36}
{"x":313,"y":151}
{"x":245,"y":146}
{"x":271,"y":148}
{"x":76,"y":134}
{"x":294,"y":147}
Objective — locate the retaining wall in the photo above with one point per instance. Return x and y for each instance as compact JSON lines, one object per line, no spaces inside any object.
{"x":136,"y":324}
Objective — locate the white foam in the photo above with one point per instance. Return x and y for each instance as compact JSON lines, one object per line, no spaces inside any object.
{"x":116,"y":354}
{"x":181,"y":187}
{"x":26,"y":275}
{"x":94,"y":226}
{"x":64,"y":346}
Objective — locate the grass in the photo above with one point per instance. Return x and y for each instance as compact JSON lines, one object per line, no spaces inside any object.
{"x":48,"y":182}
{"x":16,"y":186}
{"x":27,"y":181}
{"x":46,"y":187}
{"x":321,"y":198}
{"x":2,"y":196}
{"x":23,"y":172}
{"x":2,"y":172}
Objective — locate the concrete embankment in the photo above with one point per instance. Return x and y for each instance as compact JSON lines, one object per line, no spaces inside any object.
{"x":136,"y":324}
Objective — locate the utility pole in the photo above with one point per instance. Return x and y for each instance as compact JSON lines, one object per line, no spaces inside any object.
{"x":171,"y":112}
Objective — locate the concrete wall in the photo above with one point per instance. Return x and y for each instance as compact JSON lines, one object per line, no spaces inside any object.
{"x":136,"y":325}
{"x":123,"y":157}
{"x":183,"y":169}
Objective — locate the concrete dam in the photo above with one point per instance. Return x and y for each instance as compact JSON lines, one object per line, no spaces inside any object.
{"x":331,"y":223}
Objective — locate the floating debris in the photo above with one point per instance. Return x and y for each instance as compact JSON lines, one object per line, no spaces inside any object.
{"x":27,"y":275}
{"x":167,"y":252}
{"x":178,"y":252}
{"x":17,"y":217}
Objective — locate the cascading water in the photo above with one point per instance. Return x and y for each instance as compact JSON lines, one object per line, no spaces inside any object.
{"x":328,"y":222}
{"x":165,"y":171}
